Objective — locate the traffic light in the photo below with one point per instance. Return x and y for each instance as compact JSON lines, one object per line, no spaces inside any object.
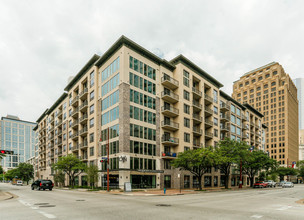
{"x":6,"y":152}
{"x":104,"y":160}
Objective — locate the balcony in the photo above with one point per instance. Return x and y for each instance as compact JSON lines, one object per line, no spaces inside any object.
{"x":225,"y":118}
{"x":170,"y":111}
{"x":208,"y":135}
{"x":52,"y":155}
{"x":197,"y":131}
{"x":197,"y":144}
{"x":83,"y":106}
{"x":245,"y":126}
{"x":60,"y":153}
{"x":168,"y":155}
{"x":225,"y":128}
{"x":208,"y":111}
{"x":169,"y":82}
{"x":196,"y":106}
{"x":245,"y":135}
{"x":224,"y":107}
{"x":75,"y":112}
{"x":51,"y":137}
{"x":208,"y":99}
{"x":196,"y":93}
{"x":51,"y":146}
{"x":83,"y":145}
{"x":197,"y":119}
{"x":83,"y":119}
{"x":59,"y":133}
{"x":172,"y":141}
{"x":208,"y":123}
{"x":83,"y":157}
{"x":83,"y":94}
{"x":75,"y":101}
{"x":59,"y":113}
{"x":75,"y":124}
{"x":74,"y":136}
{"x":244,"y":118}
{"x":83,"y":131}
{"x":59,"y":142}
{"x":59,"y":123}
{"x":75,"y":147}
{"x":169,"y":96}
{"x":170,"y":125}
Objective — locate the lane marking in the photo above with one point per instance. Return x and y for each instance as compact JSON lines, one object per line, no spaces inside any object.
{"x":36,"y":208}
{"x":284,"y":208}
{"x":256,"y":216}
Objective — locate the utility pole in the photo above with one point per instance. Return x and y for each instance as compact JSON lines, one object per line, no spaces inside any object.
{"x":108,"y":175}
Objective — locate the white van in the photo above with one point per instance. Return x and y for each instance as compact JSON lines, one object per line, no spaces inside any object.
{"x":19,"y":183}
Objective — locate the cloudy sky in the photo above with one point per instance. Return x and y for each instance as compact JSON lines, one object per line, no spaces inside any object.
{"x":42,"y":43}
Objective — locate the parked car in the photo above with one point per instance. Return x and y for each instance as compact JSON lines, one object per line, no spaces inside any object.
{"x":281,"y":183}
{"x":260,"y":184}
{"x":42,"y":184}
{"x":271,"y":183}
{"x":287,"y":184}
{"x":19,"y":183}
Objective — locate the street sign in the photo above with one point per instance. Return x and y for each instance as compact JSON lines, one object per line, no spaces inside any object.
{"x":104,"y":158}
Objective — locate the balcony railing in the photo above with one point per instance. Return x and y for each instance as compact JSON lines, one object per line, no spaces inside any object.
{"x":83,"y":145}
{"x":170,"y":96}
{"x":170,"y":110}
{"x":168,"y":154}
{"x":83,"y":105}
{"x":209,"y":134}
{"x":197,"y":92}
{"x":84,"y":92}
{"x":84,"y":117}
{"x":83,"y":131}
{"x":170,"y":124}
{"x":209,"y":122}
{"x":208,"y":98}
{"x":197,"y":117}
{"x":196,"y":104}
{"x":75,"y":100}
{"x":208,"y":110}
{"x":169,"y":82}
{"x":197,"y":131}
{"x":171,"y":140}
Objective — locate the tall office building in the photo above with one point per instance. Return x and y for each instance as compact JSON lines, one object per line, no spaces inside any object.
{"x":299,"y":82}
{"x":271,"y":91}
{"x":301,"y":143}
{"x":152,"y":108}
{"x":18,"y":136}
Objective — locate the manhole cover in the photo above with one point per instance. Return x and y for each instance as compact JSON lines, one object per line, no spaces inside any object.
{"x":165,"y":205}
{"x":46,"y":206}
{"x":42,"y":203}
{"x":80,"y":200}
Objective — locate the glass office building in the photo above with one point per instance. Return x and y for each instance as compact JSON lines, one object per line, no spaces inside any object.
{"x":18,"y":136}
{"x":299,"y":82}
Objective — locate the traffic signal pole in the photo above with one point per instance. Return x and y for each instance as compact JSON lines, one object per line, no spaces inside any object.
{"x":241,"y":179}
{"x":108,"y":175}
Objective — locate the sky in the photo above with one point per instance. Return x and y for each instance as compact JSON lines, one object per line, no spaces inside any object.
{"x":43,"y":43}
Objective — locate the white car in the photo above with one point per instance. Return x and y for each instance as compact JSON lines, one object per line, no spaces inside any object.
{"x":287,"y":184}
{"x":19,"y":183}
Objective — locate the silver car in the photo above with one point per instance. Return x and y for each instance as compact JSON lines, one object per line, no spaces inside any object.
{"x":287,"y":184}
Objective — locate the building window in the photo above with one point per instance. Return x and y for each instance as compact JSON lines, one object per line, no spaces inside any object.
{"x":92,"y":74}
{"x":186,"y":95}
{"x":215,"y":109}
{"x":186,"y":78}
{"x":91,"y":122}
{"x":92,"y":95}
{"x":91,"y":151}
{"x":187,"y":122}
{"x":186,"y":109}
{"x":187,"y":137}
{"x":92,"y":109}
{"x":215,"y":96}
{"x":91,"y":137}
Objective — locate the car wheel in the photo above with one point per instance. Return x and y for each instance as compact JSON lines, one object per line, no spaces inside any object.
{"x":32,"y":188}
{"x":50,"y":189}
{"x":43,"y":189}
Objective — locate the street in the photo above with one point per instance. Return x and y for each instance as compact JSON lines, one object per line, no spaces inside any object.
{"x":275,"y":203}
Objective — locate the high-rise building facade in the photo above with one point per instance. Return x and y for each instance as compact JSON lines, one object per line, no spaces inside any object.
{"x":149,"y":109}
{"x":271,"y":91}
{"x":299,"y":82}
{"x":18,"y":136}
{"x":301,"y":144}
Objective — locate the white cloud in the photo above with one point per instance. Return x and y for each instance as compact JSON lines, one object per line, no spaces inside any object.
{"x":42,"y":43}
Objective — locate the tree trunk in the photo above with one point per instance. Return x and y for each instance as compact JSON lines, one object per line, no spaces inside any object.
{"x":251,"y":180}
{"x":226,"y":181}
{"x":200,"y":182}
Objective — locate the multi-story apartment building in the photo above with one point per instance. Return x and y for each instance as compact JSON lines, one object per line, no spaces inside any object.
{"x":299,"y":82}
{"x":149,"y":110}
{"x":18,"y":136}
{"x":271,"y":91}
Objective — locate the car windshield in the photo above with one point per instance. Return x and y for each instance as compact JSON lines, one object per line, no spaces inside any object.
{"x":46,"y":181}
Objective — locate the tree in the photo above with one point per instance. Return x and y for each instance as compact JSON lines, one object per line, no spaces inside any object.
{"x":300,"y":165}
{"x":229,"y":152}
{"x":1,"y":169}
{"x":285,"y":171}
{"x":196,"y":161}
{"x":59,"y":178}
{"x":92,"y":172}
{"x":26,"y":171}
{"x":71,"y":166}
{"x":11,"y":174}
{"x":256,"y":161}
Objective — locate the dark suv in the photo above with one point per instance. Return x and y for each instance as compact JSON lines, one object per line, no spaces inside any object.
{"x":43,"y":184}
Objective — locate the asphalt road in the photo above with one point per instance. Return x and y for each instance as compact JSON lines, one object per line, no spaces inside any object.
{"x":65,"y":204}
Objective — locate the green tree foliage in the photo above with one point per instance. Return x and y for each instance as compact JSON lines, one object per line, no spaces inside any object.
{"x":228,"y":153}
{"x":195,"y":161}
{"x":285,"y":171}
{"x":59,"y":178}
{"x":1,"y":169}
{"x":92,"y":172}
{"x":11,"y":174}
{"x":71,"y":166}
{"x":300,"y":167}
{"x":26,"y":171}
{"x":1,"y":156}
{"x":256,"y":161}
